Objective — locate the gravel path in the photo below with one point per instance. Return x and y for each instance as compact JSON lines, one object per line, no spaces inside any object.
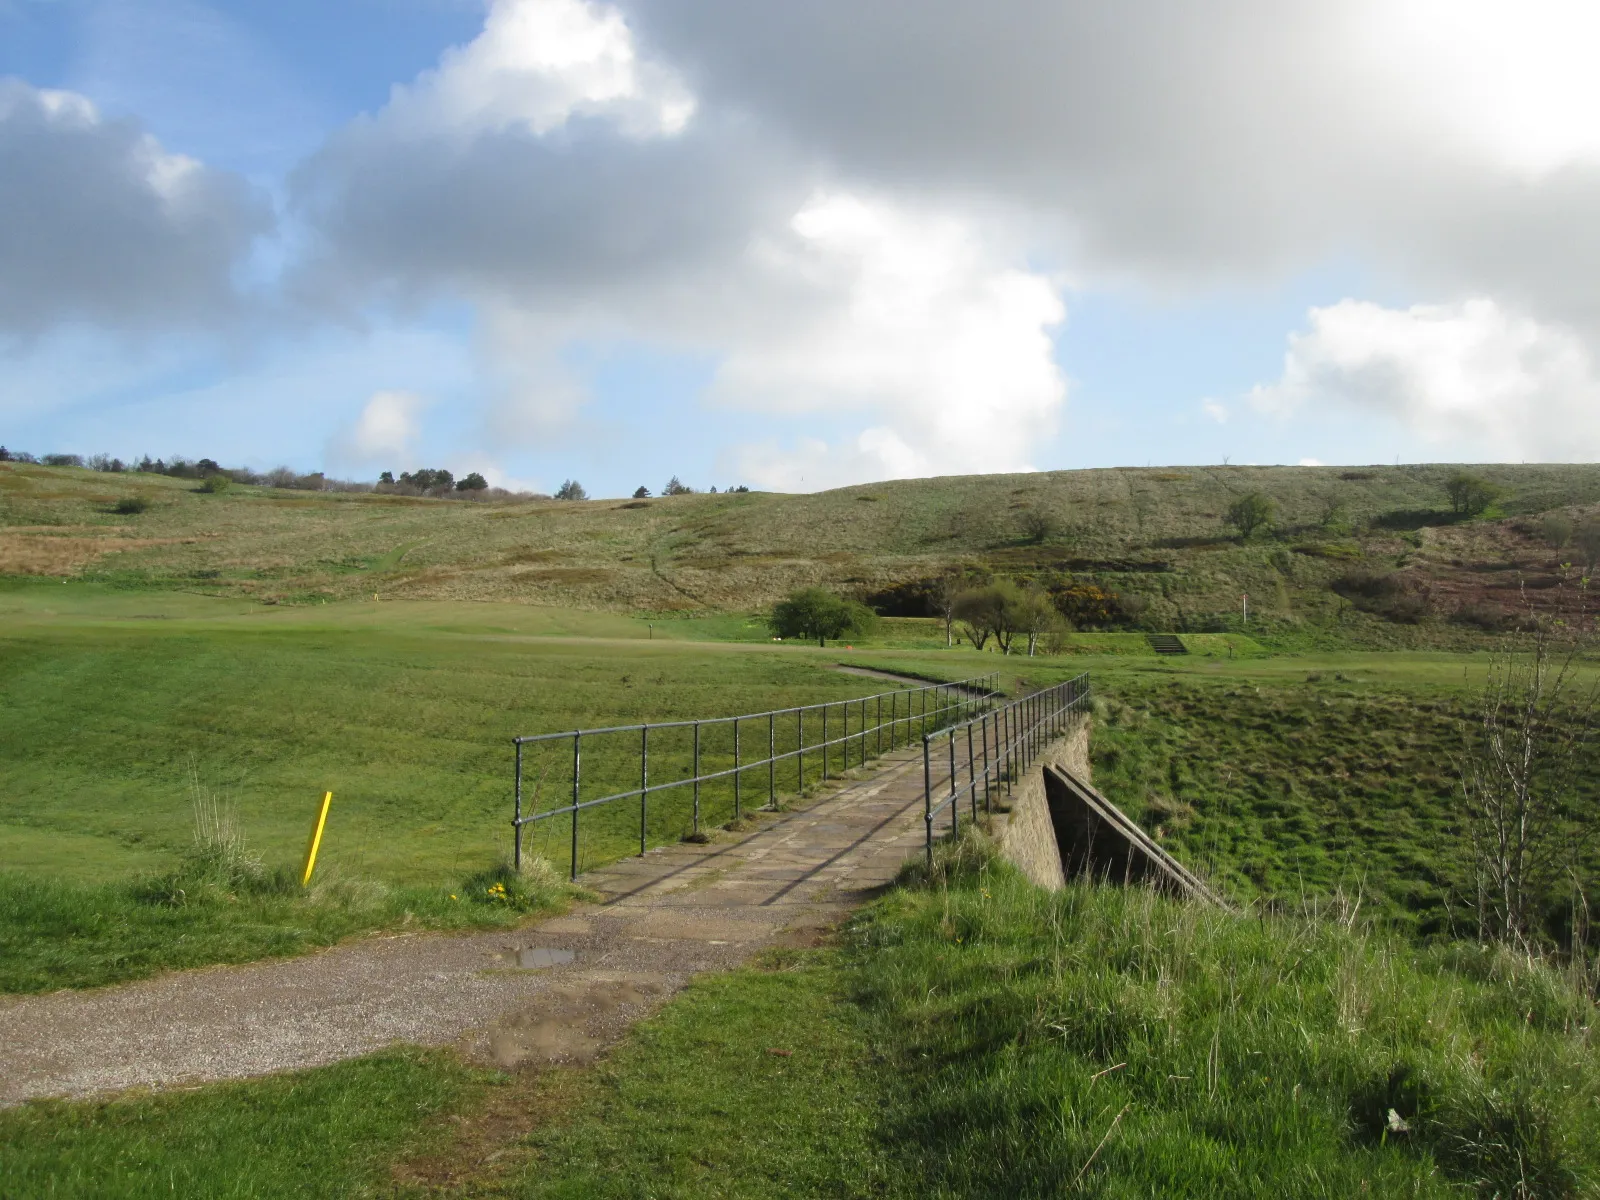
{"x":556,"y":991}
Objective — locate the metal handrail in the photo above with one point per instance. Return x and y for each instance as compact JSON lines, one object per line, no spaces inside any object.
{"x":963,"y":697}
{"x":1021,"y":729}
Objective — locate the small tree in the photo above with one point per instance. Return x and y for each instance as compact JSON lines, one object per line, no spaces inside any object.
{"x":1039,"y":527}
{"x":1587,"y":543}
{"x":571,"y":489}
{"x":1557,"y":529}
{"x":1031,"y":613}
{"x":676,"y":487}
{"x":946,"y":592}
{"x":818,"y":613}
{"x":980,"y":611}
{"x":1470,"y":494}
{"x":1251,"y":512}
{"x":1521,"y":776}
{"x":386,"y":477}
{"x":472,"y":482}
{"x":641,"y":493}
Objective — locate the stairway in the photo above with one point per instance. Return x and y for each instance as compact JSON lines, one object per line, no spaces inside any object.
{"x":1166,"y":643}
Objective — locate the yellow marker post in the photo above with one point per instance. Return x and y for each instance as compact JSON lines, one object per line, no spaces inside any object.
{"x":316,"y":839}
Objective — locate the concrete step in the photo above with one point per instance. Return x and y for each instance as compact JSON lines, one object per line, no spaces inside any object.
{"x":1166,"y":643}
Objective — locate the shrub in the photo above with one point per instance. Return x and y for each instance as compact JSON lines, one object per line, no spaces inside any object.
{"x":1090,"y":606}
{"x":1483,"y":615}
{"x":1369,"y":585}
{"x":818,"y":613}
{"x":130,"y":506}
{"x":1039,"y":527}
{"x":1587,"y":542}
{"x":1557,"y":529}
{"x":1470,"y":494}
{"x":571,"y":489}
{"x":1251,"y":512}
{"x":473,"y":482}
{"x":62,"y":460}
{"x":214,"y":484}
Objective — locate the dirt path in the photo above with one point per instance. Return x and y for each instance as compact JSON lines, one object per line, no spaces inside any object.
{"x":555,"y":991}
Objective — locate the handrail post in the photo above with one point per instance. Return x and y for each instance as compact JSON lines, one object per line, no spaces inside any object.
{"x":927,"y":799}
{"x":644,"y":784}
{"x":955,"y":805}
{"x":697,"y":776}
{"x":516,"y":816}
{"x":800,"y":747}
{"x":972,"y":773}
{"x":738,"y":772}
{"x":844,"y":738}
{"x":988,"y":780}
{"x":772,"y":760}
{"x":877,"y":727}
{"x":824,"y":741}
{"x":577,"y":776}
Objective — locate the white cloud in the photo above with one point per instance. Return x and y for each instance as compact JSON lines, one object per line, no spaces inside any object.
{"x":1468,"y":375}
{"x":537,"y":65}
{"x":1310,"y":462}
{"x":909,"y":321}
{"x":1216,"y":411}
{"x":100,"y":224}
{"x":386,"y":431}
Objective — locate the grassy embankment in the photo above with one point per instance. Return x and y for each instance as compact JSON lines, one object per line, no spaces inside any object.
{"x":977,"y":1038}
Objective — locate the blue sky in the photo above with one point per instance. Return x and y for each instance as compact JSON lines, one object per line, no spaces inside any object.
{"x":795,"y":247}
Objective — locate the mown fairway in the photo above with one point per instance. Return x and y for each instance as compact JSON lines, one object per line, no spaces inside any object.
{"x":114,"y":705}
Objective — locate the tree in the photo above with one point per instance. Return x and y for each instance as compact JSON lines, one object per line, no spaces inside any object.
{"x":1587,"y":543}
{"x":818,"y":613}
{"x":386,"y":477}
{"x":1039,"y":527}
{"x":641,"y":493}
{"x":1251,"y":512}
{"x":1521,"y":774}
{"x":1557,"y":529}
{"x":427,"y":478}
{"x":945,"y":594}
{"x":1470,"y":494}
{"x":473,"y":482}
{"x":676,"y":488}
{"x":978,"y":610}
{"x":1031,"y":614}
{"x":571,"y":489}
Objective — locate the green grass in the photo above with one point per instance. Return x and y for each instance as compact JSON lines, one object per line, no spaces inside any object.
{"x":55,"y":934}
{"x":330,"y":1132}
{"x":977,"y":1037}
{"x":1150,"y":1048}
{"x":1282,"y":788}
{"x":695,"y":1104}
{"x":405,"y":715}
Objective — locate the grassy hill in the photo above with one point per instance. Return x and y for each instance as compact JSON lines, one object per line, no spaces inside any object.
{"x":1156,"y":533}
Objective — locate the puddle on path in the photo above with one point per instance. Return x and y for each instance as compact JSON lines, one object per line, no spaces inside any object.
{"x":540,"y":956}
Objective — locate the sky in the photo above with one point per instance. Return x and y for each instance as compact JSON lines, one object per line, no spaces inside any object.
{"x":795,"y":246}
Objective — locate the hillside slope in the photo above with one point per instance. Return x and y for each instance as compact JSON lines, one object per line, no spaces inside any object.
{"x":1160,"y":533}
